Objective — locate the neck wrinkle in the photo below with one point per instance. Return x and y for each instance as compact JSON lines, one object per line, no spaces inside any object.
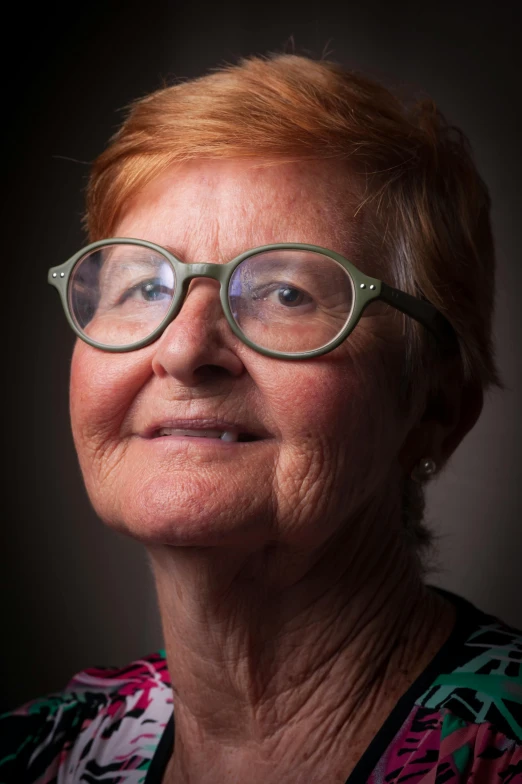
{"x":246,"y":663}
{"x":254,"y":670}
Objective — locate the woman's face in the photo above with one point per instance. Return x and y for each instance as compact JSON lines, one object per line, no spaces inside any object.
{"x":327,"y":431}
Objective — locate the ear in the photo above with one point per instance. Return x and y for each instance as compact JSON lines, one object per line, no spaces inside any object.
{"x":449,"y":414}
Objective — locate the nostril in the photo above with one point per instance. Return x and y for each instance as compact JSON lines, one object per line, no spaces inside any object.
{"x":211,"y":372}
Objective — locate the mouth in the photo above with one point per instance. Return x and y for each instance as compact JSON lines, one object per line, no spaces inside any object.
{"x":227,"y":435}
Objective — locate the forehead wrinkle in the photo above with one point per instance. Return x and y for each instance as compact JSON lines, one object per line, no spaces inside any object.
{"x":233,"y":229}
{"x":263,"y":217}
{"x":199,"y":241}
{"x":208,"y":217}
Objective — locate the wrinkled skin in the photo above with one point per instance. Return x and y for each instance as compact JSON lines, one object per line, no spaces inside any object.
{"x":285,"y":549}
{"x":333,"y":421}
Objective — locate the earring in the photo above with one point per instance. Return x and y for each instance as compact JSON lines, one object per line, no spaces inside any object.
{"x":425,"y":469}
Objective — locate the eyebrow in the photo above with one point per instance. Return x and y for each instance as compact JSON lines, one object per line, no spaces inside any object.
{"x":112,"y":265}
{"x":175,"y":252}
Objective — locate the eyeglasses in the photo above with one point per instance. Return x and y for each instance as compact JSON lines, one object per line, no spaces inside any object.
{"x":289,"y":300}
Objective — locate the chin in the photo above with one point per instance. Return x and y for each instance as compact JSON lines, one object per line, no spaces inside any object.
{"x":187,"y":516}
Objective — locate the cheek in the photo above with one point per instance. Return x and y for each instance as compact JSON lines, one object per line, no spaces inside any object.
{"x":333,"y":398}
{"x":339,"y":431}
{"x":102,"y":387}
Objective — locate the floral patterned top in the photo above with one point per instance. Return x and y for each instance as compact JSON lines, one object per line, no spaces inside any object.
{"x":460,"y":721}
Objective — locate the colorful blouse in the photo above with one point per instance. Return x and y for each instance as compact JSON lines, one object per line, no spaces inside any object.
{"x":460,"y":721}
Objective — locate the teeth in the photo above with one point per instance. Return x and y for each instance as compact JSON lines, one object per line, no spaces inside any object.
{"x":229,"y":436}
{"x":226,"y":435}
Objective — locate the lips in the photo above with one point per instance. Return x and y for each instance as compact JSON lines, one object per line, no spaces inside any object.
{"x":223,"y":435}
{"x":221,"y":431}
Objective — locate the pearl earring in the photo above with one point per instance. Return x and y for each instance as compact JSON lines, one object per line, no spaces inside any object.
{"x":425,"y":469}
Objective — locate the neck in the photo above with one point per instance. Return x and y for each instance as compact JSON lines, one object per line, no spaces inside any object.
{"x":273,"y":649}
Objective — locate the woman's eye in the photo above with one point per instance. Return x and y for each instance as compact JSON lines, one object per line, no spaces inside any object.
{"x":152,"y":290}
{"x":148,"y":290}
{"x":284,"y":294}
{"x":291,"y":297}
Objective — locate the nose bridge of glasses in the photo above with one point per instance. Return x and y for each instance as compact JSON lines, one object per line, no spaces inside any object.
{"x":188,"y":278}
{"x":199,"y":270}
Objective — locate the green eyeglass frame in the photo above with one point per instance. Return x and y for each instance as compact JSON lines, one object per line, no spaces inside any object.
{"x":366,"y":290}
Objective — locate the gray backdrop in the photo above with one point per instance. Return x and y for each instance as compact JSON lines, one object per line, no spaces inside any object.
{"x":74,"y":593}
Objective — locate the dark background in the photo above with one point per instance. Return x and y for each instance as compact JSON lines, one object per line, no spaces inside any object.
{"x":75,"y":594}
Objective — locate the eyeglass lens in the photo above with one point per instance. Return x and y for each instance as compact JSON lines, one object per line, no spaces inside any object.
{"x":288,"y":300}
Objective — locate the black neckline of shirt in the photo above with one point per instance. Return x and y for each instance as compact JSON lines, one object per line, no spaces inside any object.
{"x":446,"y":658}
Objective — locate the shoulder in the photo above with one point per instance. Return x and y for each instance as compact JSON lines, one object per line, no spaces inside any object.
{"x":463,"y":721}
{"x":474,"y":704}
{"x":484,"y":685}
{"x":107,"y":719}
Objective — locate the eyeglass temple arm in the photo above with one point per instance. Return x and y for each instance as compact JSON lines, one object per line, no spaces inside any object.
{"x":424,"y":312}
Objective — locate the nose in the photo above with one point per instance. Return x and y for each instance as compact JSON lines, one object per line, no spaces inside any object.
{"x":198,"y":345}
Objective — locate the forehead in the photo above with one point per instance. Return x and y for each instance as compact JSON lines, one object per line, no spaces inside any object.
{"x":214,"y":210}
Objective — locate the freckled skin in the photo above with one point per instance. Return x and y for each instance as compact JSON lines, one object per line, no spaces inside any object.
{"x":293,"y":612}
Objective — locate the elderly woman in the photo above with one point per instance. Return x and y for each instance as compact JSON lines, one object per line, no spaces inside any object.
{"x":284,"y":322}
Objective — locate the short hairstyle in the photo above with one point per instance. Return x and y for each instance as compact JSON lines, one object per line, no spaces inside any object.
{"x":426,"y":208}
